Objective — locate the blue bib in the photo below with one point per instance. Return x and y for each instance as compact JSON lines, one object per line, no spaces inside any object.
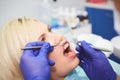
{"x":77,"y":74}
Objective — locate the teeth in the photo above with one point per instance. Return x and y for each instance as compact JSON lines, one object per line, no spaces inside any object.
{"x":66,"y":46}
{"x":69,"y":53}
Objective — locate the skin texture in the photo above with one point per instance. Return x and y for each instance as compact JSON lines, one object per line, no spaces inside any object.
{"x":65,"y":62}
{"x":118,"y":77}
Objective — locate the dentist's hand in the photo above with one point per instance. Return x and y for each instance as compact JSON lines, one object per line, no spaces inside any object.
{"x":34,"y":64}
{"x":94,"y":63}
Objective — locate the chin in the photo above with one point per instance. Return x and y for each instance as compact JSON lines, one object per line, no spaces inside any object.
{"x":76,"y":62}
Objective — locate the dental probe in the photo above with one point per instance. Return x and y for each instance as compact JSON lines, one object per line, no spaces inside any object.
{"x":36,"y":47}
{"x":97,"y":48}
{"x":79,"y":44}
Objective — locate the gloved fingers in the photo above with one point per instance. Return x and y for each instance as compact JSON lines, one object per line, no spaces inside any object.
{"x":82,"y":64}
{"x":88,"y":50}
{"x":37,"y":43}
{"x":30,"y":44}
{"x":45,"y":49}
{"x":79,"y":42}
{"x":36,"y":52}
{"x":83,"y":52}
{"x":78,"y":48}
{"x":82,"y":59}
{"x":79,"y":55}
{"x":51,"y":62}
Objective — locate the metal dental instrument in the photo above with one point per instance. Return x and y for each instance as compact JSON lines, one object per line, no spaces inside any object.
{"x":36,"y":47}
{"x":79,"y":44}
{"x":97,"y":48}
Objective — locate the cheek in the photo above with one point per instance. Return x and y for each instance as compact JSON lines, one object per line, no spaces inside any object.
{"x":52,"y":41}
{"x":55,"y":55}
{"x":60,"y":62}
{"x":66,"y":67}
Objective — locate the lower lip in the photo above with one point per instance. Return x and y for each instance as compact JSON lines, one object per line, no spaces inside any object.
{"x":72,"y":56}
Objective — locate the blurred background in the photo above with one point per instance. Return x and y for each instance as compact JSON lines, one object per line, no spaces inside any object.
{"x":70,"y":17}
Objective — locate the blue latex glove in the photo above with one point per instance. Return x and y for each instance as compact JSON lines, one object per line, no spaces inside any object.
{"x":34,"y":64}
{"x":94,"y":63}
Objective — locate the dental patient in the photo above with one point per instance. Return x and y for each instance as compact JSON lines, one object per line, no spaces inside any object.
{"x":64,"y":57}
{"x":17,"y":33}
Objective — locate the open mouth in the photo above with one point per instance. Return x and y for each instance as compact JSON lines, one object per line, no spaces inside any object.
{"x":67,"y":48}
{"x":68,"y":51}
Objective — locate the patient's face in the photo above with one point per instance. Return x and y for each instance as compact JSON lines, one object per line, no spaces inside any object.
{"x":64,"y":57}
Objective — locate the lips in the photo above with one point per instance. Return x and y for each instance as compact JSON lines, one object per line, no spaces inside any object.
{"x":68,"y":51}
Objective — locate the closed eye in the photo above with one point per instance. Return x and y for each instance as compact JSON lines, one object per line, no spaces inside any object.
{"x":42,"y":37}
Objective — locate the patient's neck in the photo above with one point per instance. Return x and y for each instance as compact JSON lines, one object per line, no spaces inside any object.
{"x":55,"y":77}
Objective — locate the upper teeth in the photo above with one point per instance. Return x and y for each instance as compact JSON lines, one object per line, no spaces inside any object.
{"x":66,"y":46}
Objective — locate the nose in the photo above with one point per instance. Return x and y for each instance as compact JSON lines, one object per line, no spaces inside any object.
{"x":59,"y":36}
